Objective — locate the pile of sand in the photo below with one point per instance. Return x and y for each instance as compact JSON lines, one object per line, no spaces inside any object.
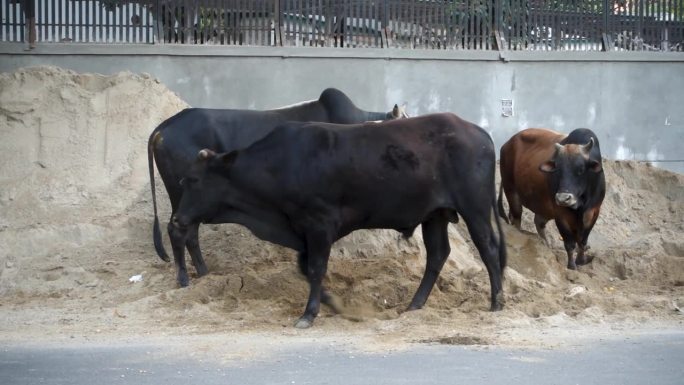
{"x":76,"y":218}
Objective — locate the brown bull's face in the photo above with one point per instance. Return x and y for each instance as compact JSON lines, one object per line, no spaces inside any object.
{"x":570,"y":171}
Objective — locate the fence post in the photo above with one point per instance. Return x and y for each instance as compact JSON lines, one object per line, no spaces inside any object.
{"x":497,"y":25}
{"x":606,"y":31}
{"x":156,"y":18}
{"x":277,"y":30}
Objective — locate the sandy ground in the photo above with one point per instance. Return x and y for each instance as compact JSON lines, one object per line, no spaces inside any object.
{"x":76,"y":219}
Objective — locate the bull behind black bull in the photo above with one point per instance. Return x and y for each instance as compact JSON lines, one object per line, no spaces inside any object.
{"x":306,"y":185}
{"x":175,"y":142}
{"x":578,"y":183}
{"x":558,"y":178}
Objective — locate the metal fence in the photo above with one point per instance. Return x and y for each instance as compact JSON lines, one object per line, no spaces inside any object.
{"x":583,"y":25}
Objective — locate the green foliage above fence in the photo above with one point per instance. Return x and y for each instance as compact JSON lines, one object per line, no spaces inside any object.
{"x":584,"y":25}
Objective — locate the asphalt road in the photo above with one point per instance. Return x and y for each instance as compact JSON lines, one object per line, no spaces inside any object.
{"x":649,"y":359}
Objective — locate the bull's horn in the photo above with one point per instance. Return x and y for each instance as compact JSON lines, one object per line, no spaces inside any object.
{"x":559,"y":147}
{"x":205,"y":154}
{"x":587,"y":147}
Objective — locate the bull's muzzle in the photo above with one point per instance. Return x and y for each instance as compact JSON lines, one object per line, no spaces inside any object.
{"x":566,"y":200}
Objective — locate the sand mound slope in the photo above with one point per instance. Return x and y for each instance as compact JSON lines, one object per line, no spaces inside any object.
{"x":76,"y":221}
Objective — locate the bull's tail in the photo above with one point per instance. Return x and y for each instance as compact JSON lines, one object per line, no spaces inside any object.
{"x":156,"y":231}
{"x":502,"y":239}
{"x":502,"y":212}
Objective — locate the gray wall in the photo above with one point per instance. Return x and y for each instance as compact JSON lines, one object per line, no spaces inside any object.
{"x":633,"y":101}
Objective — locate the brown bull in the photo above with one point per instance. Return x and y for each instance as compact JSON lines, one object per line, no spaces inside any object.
{"x":558,"y":178}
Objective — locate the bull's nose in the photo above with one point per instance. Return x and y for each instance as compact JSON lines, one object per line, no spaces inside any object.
{"x":566,"y":199}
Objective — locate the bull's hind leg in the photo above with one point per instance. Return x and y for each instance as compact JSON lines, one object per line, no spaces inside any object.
{"x":326,"y":297}
{"x":582,"y":248}
{"x":318,"y":251}
{"x":515,"y":209}
{"x":192,"y":243}
{"x":540,"y":224}
{"x":482,"y":234}
{"x":437,"y":248}
{"x":178,"y":236}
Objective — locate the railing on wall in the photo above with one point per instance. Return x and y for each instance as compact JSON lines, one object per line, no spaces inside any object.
{"x":82,"y":21}
{"x":581,"y":25}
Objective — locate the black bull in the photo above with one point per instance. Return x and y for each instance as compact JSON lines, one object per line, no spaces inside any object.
{"x":175,"y":142}
{"x":306,"y":185}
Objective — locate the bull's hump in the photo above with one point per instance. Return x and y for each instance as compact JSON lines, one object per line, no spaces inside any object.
{"x":533,"y":135}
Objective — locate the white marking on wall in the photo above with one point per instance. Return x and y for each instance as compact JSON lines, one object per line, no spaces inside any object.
{"x":523,"y":123}
{"x":433,"y":105}
{"x":184,"y":80}
{"x":623,"y":152}
{"x":207,"y":86}
{"x":483,"y":122}
{"x":653,"y":154}
{"x":591,"y":115}
{"x":557,"y":122}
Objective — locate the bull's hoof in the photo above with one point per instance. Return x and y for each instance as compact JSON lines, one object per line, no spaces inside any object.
{"x":202,"y":271}
{"x":497,"y":302}
{"x":572,"y":266}
{"x":303,"y":323}
{"x":183,"y":281}
{"x":585,"y":260}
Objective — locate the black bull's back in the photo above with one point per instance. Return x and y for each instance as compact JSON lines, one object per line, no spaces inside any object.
{"x":382,"y":175}
{"x":323,"y":181}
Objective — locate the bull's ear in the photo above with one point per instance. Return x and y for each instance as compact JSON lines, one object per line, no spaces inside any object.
{"x":548,"y":166}
{"x":206,"y":154}
{"x":396,"y":112}
{"x":595,"y":166}
{"x":399,"y":112}
{"x":228,"y":159}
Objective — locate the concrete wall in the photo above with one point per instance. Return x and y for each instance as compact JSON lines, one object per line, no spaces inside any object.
{"x":633,"y":101}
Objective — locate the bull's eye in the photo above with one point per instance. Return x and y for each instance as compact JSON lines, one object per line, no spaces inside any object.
{"x":182,"y":182}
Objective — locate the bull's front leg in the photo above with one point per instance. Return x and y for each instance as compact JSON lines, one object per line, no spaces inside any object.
{"x":588,"y":220}
{"x":582,"y":248}
{"x":318,"y":251}
{"x":178,"y":236}
{"x":568,"y":241}
{"x":326,"y":297}
{"x":192,"y":244}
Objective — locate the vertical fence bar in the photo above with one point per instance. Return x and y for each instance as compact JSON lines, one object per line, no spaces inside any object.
{"x":98,"y":14}
{"x":70,"y":17}
{"x":365,"y":24}
{"x":10,"y":28}
{"x":84,"y":20}
{"x":52,"y":28}
{"x":39,"y":20}
{"x":6,"y":24}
